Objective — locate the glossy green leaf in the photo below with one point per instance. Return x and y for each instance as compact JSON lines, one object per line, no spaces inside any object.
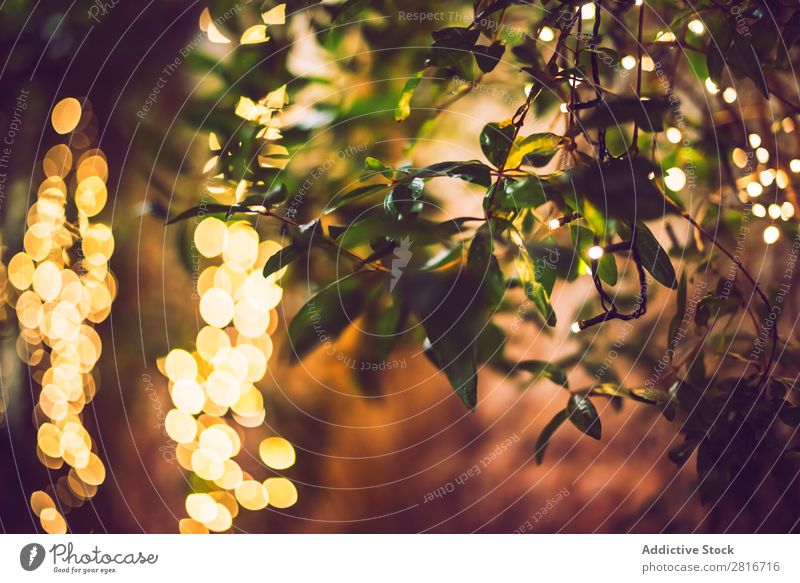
{"x":496,"y":140}
{"x":544,"y":369}
{"x":534,"y":150}
{"x":584,"y":416}
{"x":329,"y":312}
{"x":547,"y":434}
{"x":403,"y":109}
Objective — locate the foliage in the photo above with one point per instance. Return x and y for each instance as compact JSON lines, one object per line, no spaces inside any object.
{"x":595,"y":192}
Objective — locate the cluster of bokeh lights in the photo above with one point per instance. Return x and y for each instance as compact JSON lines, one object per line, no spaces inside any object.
{"x":63,"y":287}
{"x":213,"y":388}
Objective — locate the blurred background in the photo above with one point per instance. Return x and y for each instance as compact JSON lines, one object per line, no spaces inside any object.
{"x":384,"y":451}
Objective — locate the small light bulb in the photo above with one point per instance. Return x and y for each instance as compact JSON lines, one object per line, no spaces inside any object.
{"x":755,"y":140}
{"x":675,"y":179}
{"x":554,"y":224}
{"x":628,"y":62}
{"x":563,"y":107}
{"x":547,"y":34}
{"x":665,"y":36}
{"x":674,"y":135}
{"x":588,"y":11}
{"x":639,"y":2}
{"x":595,"y":252}
{"x":794,"y":166}
{"x":648,"y":64}
{"x":711,"y":87}
{"x":576,"y":327}
{"x":696,"y":26}
{"x":759,"y":210}
{"x":774,"y":211}
{"x":729,"y":95}
{"x":787,"y":211}
{"x":762,"y":155}
{"x":771,"y":234}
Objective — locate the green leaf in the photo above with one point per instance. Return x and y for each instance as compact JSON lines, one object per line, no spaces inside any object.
{"x":488,"y":57}
{"x":403,"y":200}
{"x":526,"y":268}
{"x":584,"y":416}
{"x":743,"y":56}
{"x":325,"y":316}
{"x":387,"y":329}
{"x":654,"y":258}
{"x":496,"y":140}
{"x":527,"y":192}
{"x":273,"y":195}
{"x":457,"y":362}
{"x":452,"y":50}
{"x":200,"y":211}
{"x":447,"y":303}
{"x":403,"y":109}
{"x":680,"y":310}
{"x":648,"y":113}
{"x":355,"y":194}
{"x":622,"y":189}
{"x":377,"y":166}
{"x":282,"y":258}
{"x":490,"y":344}
{"x":472,"y":171}
{"x":547,"y":434}
{"x":483,"y":263}
{"x":534,"y":150}
{"x":651,"y":396}
{"x":543,"y":369}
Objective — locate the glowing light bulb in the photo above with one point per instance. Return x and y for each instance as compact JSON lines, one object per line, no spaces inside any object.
{"x":771,"y":234}
{"x":774,"y":211}
{"x":787,"y":211}
{"x":711,"y":87}
{"x":563,"y":107}
{"x":628,"y":62}
{"x":648,"y":64}
{"x":794,"y":166}
{"x":674,"y":135}
{"x":754,"y":140}
{"x":588,"y":11}
{"x":762,"y":155}
{"x":759,"y":210}
{"x":554,"y":224}
{"x":696,"y":26}
{"x":595,"y":252}
{"x":576,"y":327}
{"x":665,"y":36}
{"x":729,"y":95}
{"x":675,"y":179}
{"x":547,"y":34}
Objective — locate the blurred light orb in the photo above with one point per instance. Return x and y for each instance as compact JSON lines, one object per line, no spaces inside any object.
{"x":675,"y":179}
{"x":674,"y":135}
{"x":771,"y":234}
